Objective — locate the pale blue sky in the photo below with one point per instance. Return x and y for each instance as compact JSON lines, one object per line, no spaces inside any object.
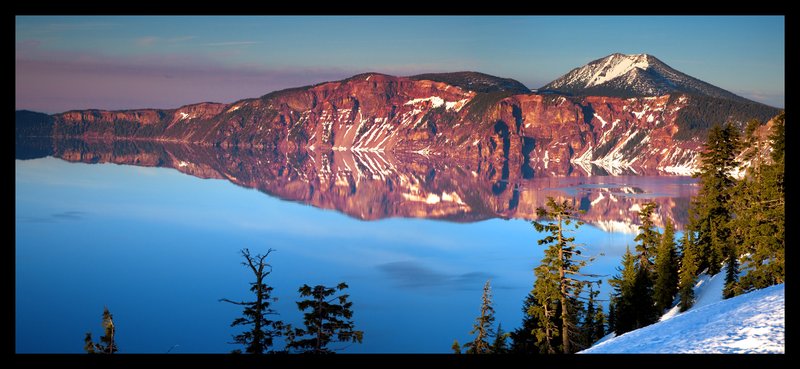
{"x":134,"y":62}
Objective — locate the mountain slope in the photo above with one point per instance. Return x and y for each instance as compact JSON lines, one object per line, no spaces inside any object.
{"x":634,"y":75}
{"x":749,"y":323}
{"x":502,"y":132}
{"x":475,"y":81}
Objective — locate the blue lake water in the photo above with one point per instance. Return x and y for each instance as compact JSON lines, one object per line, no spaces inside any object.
{"x":159,"y":248}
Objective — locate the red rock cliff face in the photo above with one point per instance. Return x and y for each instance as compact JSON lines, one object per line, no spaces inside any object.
{"x":523,"y":136}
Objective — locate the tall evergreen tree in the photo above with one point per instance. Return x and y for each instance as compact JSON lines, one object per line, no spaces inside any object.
{"x":643,"y":307}
{"x":760,"y":218}
{"x":710,"y":210}
{"x":500,"y":345}
{"x":328,"y":320}
{"x":482,"y":329}
{"x":594,"y":320}
{"x":648,"y":237}
{"x":623,"y":296}
{"x":523,"y":340}
{"x":612,"y":315}
{"x":688,"y":272}
{"x":666,"y":266}
{"x":259,"y":338}
{"x":556,"y":285}
{"x":107,"y":345}
{"x":599,"y":324}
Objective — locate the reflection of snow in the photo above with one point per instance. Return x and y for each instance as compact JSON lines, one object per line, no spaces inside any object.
{"x":616,"y":226}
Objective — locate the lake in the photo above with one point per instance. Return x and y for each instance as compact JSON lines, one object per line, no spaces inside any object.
{"x":153,"y":232}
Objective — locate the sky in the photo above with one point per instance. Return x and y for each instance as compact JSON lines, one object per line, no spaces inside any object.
{"x":126,"y":62}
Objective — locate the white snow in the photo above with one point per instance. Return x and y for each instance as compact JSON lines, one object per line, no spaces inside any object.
{"x":749,"y":323}
{"x":602,"y":121}
{"x":617,"y":65}
{"x":435,"y":101}
{"x":184,"y":115}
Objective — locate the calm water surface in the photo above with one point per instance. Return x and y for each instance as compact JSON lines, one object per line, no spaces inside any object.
{"x":160,"y":248}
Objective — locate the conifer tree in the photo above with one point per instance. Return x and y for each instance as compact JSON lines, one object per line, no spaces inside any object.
{"x":328,"y":320}
{"x":600,"y":324}
{"x":688,"y":272}
{"x":710,"y":210}
{"x":648,"y":237}
{"x":556,"y":285}
{"x":594,"y":320}
{"x":612,"y":315}
{"x":760,"y":218}
{"x":107,"y":345}
{"x":623,"y":295}
{"x":482,"y":329}
{"x":259,"y":338}
{"x":500,"y":346}
{"x":523,"y":340}
{"x":666,"y":266}
{"x":456,"y":347}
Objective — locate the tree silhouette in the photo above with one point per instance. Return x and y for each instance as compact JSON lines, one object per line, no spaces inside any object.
{"x":325,"y":321}
{"x":106,"y":344}
{"x":259,"y":338}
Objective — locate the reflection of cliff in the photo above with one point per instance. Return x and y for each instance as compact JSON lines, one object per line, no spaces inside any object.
{"x":374,"y":185}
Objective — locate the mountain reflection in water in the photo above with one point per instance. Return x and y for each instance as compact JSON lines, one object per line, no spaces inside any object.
{"x":375,"y":185}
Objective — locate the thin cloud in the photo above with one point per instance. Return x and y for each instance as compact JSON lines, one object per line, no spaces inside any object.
{"x":233,"y":43}
{"x":146,"y":41}
{"x":413,"y":275}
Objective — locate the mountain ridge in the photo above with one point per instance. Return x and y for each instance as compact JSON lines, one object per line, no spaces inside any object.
{"x":634,"y":75}
{"x":503,"y":129}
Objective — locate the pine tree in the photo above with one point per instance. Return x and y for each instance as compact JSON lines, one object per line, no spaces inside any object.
{"x":523,"y":340}
{"x":326,"y":321}
{"x":556,"y":286}
{"x":500,"y":346}
{"x":612,"y":316}
{"x":594,"y":320}
{"x":688,"y":272}
{"x":710,"y":210}
{"x":648,"y":238}
{"x":643,"y":304}
{"x":482,"y":329}
{"x":259,"y":338}
{"x":760,"y":218}
{"x":666,"y":267}
{"x":456,"y":347}
{"x":644,"y":308}
{"x":600,"y":324}
{"x":623,"y":295}
{"x":107,"y":345}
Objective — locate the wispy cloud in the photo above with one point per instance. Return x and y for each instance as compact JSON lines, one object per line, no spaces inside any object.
{"x":232,"y":43}
{"x":66,"y":215}
{"x":413,"y":274}
{"x":146,"y":41}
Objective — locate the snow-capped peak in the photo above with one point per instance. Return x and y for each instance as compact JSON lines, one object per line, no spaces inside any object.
{"x":614,"y":66}
{"x":633,"y":75}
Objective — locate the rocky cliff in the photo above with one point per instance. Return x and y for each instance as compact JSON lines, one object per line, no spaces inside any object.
{"x":527,"y":135}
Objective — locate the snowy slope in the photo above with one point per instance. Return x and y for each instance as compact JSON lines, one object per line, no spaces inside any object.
{"x":633,"y":75}
{"x":749,"y":323}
